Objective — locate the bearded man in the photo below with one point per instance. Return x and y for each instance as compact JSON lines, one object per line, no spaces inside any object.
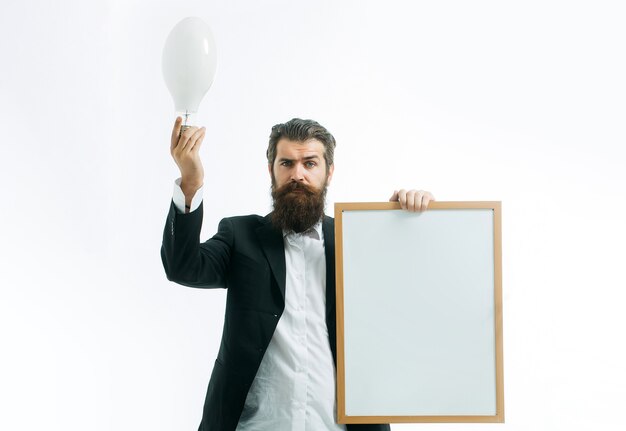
{"x":275,"y":370}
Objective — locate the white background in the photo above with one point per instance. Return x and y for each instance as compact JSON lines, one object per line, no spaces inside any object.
{"x":522,"y":102}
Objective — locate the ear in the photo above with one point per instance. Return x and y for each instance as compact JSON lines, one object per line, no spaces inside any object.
{"x":269,"y":169}
{"x":331,"y":169}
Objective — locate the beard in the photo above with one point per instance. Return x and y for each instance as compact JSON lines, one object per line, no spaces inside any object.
{"x":297,"y":207}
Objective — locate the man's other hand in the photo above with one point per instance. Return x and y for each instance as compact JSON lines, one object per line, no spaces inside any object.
{"x":412,"y":200}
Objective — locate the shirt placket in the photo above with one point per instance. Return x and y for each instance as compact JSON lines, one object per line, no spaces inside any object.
{"x":300,"y":333}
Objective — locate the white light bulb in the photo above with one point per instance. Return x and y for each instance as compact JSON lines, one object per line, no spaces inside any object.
{"x":189,"y":61}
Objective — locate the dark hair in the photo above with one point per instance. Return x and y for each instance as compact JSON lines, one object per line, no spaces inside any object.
{"x":301,"y":130}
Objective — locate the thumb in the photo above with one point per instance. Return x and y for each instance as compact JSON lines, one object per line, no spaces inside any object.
{"x":394,"y":196}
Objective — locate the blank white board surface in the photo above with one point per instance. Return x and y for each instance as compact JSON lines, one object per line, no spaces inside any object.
{"x":418,"y":313}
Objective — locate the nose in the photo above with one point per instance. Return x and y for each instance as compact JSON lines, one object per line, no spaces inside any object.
{"x":297,"y":174}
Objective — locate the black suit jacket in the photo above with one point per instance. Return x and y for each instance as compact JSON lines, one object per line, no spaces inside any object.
{"x":247,"y":256}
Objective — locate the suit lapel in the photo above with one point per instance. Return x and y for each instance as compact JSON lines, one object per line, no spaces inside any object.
{"x":271,"y":240}
{"x":328,"y":226}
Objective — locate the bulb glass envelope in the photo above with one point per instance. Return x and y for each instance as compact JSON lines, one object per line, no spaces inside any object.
{"x":189,"y":62}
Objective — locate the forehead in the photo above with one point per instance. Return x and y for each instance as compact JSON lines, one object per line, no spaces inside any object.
{"x":286,"y":148}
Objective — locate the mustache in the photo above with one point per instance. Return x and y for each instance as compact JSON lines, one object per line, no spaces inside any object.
{"x":293,"y":186}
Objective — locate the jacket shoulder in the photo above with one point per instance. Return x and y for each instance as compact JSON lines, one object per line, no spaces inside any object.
{"x":246,"y":219}
{"x":245,"y":222}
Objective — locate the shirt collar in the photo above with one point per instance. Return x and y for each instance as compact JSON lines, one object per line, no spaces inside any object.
{"x":314,"y":232}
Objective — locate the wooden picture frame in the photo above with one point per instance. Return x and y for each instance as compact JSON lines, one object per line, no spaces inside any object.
{"x":419,"y":313}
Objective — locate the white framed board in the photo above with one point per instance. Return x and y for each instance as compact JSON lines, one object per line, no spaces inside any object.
{"x":419,"y":313}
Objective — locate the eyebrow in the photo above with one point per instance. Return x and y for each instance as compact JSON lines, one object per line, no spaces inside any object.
{"x":285,"y":159}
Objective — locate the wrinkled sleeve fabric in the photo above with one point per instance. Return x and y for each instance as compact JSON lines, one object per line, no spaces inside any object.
{"x":187,"y":261}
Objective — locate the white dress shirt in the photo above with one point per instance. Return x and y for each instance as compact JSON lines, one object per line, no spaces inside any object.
{"x":294,"y":388}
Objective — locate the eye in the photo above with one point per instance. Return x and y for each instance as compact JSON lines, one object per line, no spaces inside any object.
{"x":285,"y":163}
{"x":310,"y":164}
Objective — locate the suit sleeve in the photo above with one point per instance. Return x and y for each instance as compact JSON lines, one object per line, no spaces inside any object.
{"x":188,"y":262}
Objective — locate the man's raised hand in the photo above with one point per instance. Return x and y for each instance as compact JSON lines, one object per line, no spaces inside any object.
{"x":185,"y":148}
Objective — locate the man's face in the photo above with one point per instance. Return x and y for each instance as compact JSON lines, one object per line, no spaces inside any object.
{"x":301,"y":162}
{"x":299,"y":180}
